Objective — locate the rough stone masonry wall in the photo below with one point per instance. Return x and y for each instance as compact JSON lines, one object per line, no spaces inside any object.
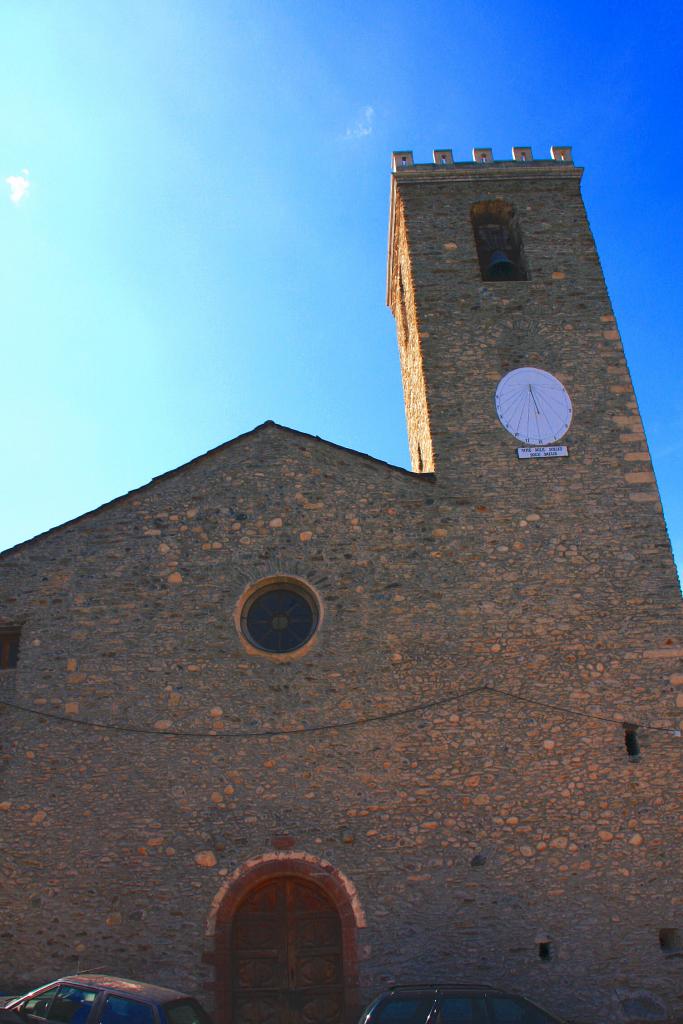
{"x":583,"y":598}
{"x":485,"y":636}
{"x":471,"y":829}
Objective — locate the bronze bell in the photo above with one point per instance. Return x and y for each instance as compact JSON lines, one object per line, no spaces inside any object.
{"x":500,"y":267}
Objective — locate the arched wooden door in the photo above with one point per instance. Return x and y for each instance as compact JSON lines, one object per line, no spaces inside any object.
{"x":286,"y":956}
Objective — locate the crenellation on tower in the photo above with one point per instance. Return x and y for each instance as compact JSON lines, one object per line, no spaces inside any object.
{"x":562,"y":153}
{"x":404,"y":159}
{"x":401,"y":159}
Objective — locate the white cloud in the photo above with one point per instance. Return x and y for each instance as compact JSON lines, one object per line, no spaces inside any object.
{"x":363,"y":125}
{"x":18,"y":185}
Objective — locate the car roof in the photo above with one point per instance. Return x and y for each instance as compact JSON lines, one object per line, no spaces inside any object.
{"x":126,"y":987}
{"x":448,"y":986}
{"x":452,"y":987}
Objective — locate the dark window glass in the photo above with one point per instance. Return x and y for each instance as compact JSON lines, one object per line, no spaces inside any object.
{"x":39,"y":1005}
{"x":71,"y":1005}
{"x":404,"y":1010}
{"x":117,"y":1010}
{"x":280,"y":619}
{"x":186,"y":1011}
{"x":461,"y":1010}
{"x":516,"y":1011}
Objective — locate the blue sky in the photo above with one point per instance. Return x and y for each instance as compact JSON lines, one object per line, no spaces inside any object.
{"x":202,"y":242}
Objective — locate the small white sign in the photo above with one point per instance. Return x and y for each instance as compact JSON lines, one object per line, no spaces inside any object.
{"x":552,"y":451}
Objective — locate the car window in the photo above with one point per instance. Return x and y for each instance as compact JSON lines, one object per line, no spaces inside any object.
{"x":71,"y":1005}
{"x":38,"y":1005}
{"x":186,"y":1011}
{"x":506,"y":1010}
{"x":404,"y":1010}
{"x":462,"y":1010}
{"x":117,"y":1010}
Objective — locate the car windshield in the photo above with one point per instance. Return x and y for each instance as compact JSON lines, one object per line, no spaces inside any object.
{"x":70,"y":1005}
{"x":407,"y":1008}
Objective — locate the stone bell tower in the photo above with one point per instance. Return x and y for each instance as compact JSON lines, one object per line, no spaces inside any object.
{"x":560,"y":588}
{"x":492,"y":268}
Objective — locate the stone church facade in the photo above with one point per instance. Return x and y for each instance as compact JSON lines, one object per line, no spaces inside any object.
{"x":288,"y":723}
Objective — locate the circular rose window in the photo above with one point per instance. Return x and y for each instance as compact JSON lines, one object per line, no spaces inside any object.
{"x":280,"y":617}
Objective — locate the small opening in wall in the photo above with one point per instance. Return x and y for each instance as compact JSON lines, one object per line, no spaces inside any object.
{"x":9,"y":646}
{"x":544,"y":951}
{"x":671,"y":941}
{"x":498,"y":241}
{"x":631,"y":741}
{"x":419,"y":459}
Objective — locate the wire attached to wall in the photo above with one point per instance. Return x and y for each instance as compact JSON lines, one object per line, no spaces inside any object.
{"x":246,"y":734}
{"x":618,"y":719}
{"x":327,"y":726}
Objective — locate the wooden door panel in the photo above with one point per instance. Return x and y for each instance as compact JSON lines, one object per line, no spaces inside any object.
{"x":260,"y":931}
{"x":266,"y":898}
{"x":253,"y":973}
{"x":317,"y":972}
{"x":260,"y":1010}
{"x":318,"y":1009}
{"x":287,"y":965}
{"x":317,"y":931}
{"x":302,"y":898}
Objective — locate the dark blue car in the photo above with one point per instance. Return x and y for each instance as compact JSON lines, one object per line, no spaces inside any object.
{"x":101,"y":999}
{"x":453,"y":1004}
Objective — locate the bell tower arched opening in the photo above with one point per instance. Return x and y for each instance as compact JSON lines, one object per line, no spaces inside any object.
{"x":498,"y":241}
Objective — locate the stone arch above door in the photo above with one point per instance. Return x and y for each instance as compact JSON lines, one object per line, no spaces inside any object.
{"x":284,"y":929}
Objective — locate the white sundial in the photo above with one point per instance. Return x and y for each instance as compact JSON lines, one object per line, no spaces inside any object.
{"x":533,"y":405}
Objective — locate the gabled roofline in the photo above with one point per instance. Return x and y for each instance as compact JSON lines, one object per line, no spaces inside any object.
{"x":205,"y":455}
